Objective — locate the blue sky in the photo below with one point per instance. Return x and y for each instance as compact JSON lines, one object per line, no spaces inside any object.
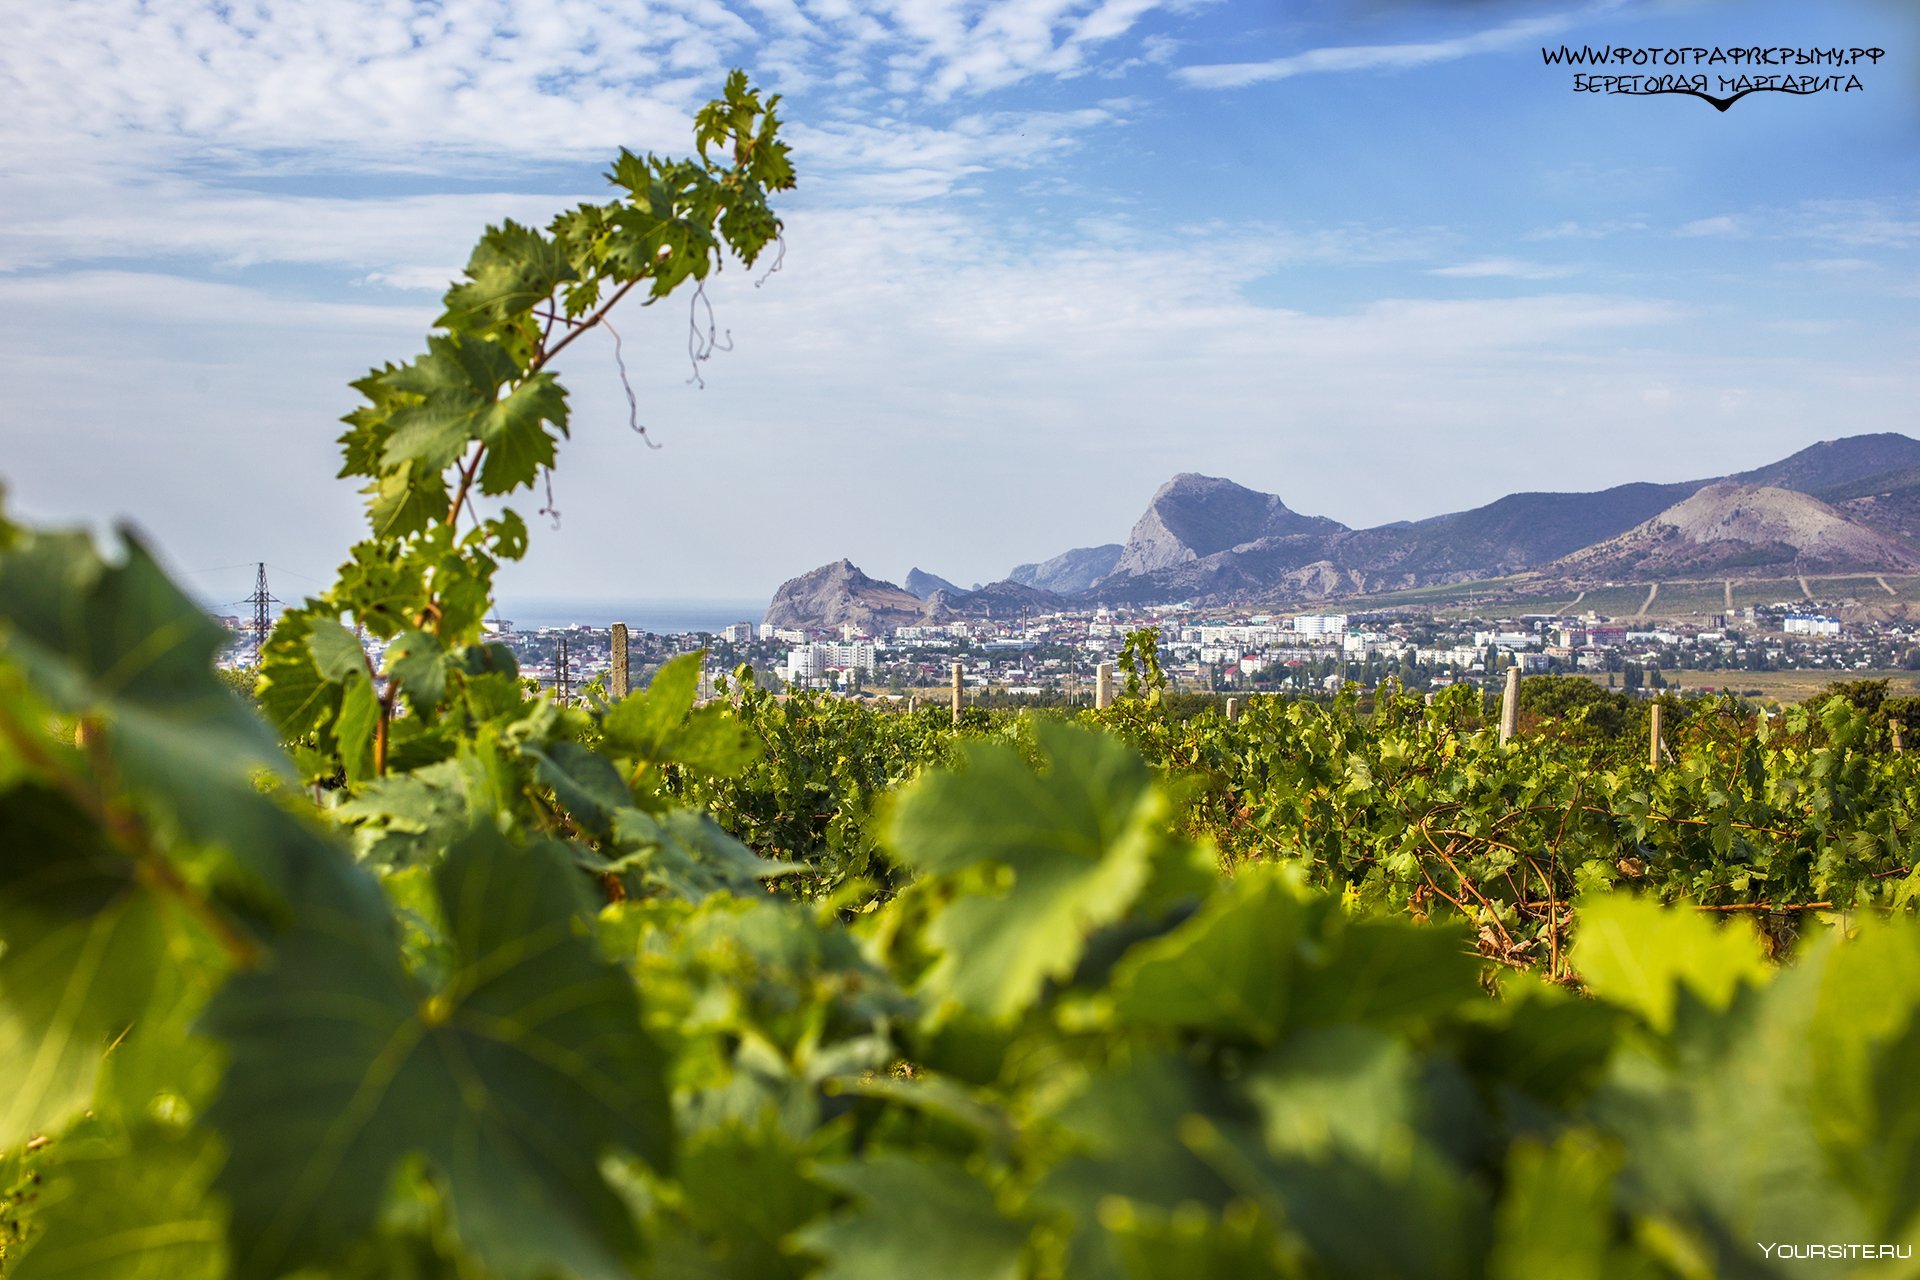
{"x":1376,"y":258}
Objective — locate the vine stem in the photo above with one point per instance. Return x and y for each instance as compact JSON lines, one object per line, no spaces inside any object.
{"x":472,"y":466}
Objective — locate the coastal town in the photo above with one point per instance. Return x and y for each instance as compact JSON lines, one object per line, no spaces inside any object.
{"x":1052,"y":658}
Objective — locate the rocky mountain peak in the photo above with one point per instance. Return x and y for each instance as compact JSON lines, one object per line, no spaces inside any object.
{"x":1193,"y":516}
{"x":838,"y":593}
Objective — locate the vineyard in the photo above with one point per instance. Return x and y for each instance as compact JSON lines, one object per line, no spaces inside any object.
{"x":417,"y":972}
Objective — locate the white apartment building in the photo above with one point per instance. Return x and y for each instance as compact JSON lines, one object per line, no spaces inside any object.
{"x":1806,"y":624}
{"x":1320,"y":624}
{"x":1508,"y":639}
{"x":810,"y":661}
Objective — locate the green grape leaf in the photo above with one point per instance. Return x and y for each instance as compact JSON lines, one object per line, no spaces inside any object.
{"x":1382,"y":972}
{"x":1718,"y":1122}
{"x":1124,"y":1127}
{"x":292,"y":692}
{"x":511,"y":1080}
{"x":1365,"y":1215}
{"x":729,"y":1236}
{"x":585,"y":783}
{"x":455,"y":382}
{"x":514,"y":431}
{"x":122,"y":643}
{"x":1225,"y":970}
{"x":660,"y":725}
{"x":458,"y":383}
{"x":368,"y":426}
{"x":119,"y":1205}
{"x":1191,"y":1243}
{"x":512,"y":270}
{"x":685,"y":854}
{"x":337,"y":654}
{"x":408,"y":497}
{"x":417,"y":663}
{"x":355,"y":729}
{"x":642,"y":724}
{"x":1864,"y":1045}
{"x":1043,"y":859}
{"x":913,"y":1212}
{"x":82,"y":946}
{"x":405,"y":820}
{"x":1638,"y":954}
{"x":122,"y":646}
{"x":1556,"y":1218}
{"x":713,"y":742}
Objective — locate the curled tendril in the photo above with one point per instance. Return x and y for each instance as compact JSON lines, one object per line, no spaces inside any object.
{"x":701,"y":344}
{"x":626,"y":384}
{"x":547,"y":508}
{"x":779,"y":259}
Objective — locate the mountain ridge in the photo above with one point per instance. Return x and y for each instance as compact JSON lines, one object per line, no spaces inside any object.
{"x":1846,"y":505}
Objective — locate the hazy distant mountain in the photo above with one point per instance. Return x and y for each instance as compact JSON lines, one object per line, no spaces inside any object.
{"x":1515,"y":532}
{"x":923,"y":584}
{"x":839,"y":593}
{"x":1850,"y":505}
{"x":1832,"y":464}
{"x":1755,"y":529}
{"x":1214,"y":541}
{"x":1005,"y":599}
{"x":1070,"y":571}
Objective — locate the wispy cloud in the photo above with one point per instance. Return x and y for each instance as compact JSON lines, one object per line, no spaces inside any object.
{"x":1572,"y":229}
{"x":374,"y":83}
{"x":1500,"y":268}
{"x":1375,"y":57}
{"x":1842,"y":224}
{"x":1719,"y":225}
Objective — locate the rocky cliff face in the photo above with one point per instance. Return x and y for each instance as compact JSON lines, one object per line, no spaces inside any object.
{"x":1752,"y":528}
{"x":1193,"y":516}
{"x":1070,"y":571}
{"x":923,"y":584}
{"x":1005,"y":599}
{"x":838,"y":593}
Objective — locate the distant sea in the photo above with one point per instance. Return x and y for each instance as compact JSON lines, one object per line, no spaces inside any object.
{"x":662,"y":617}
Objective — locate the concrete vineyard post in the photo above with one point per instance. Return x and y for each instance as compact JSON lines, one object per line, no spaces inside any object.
{"x":1510,"y":705}
{"x":1899,"y":743}
{"x":1103,"y":687}
{"x":1653,"y":737}
{"x":617,"y":687}
{"x":958,"y":685}
{"x":1233,"y":708}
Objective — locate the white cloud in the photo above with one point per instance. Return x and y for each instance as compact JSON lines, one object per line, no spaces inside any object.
{"x":1844,"y":224}
{"x":1719,"y":225}
{"x":1500,"y":268}
{"x":68,"y":218}
{"x":1375,"y":57}
{"x":388,"y":83}
{"x":1572,"y":229}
